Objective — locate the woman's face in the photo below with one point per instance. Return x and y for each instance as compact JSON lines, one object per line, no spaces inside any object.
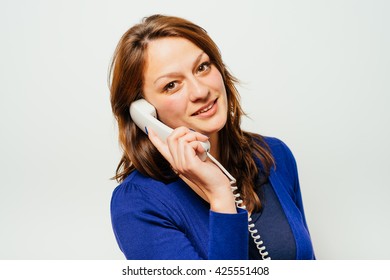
{"x":184,"y":87}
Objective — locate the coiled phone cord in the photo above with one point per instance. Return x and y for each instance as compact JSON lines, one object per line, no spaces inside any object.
{"x":240,"y":204}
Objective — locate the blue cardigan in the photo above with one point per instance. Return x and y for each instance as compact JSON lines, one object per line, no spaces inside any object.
{"x":153,"y":220}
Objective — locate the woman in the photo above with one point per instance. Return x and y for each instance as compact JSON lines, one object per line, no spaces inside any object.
{"x":171,"y":204}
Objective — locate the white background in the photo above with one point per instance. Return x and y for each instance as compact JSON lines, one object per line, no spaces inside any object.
{"x":314,"y":74}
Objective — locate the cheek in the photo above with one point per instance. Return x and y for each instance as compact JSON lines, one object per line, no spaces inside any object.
{"x":170,"y":112}
{"x":216,"y":81}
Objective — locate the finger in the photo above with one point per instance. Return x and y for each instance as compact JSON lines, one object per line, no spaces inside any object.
{"x":160,"y":145}
{"x":172,"y":139}
{"x":192,"y":140}
{"x":175,"y":142}
{"x":200,"y":137}
{"x":199,"y":150}
{"x":182,"y":142}
{"x":189,"y":157}
{"x":182,"y":152}
{"x":182,"y":130}
{"x":203,"y":146}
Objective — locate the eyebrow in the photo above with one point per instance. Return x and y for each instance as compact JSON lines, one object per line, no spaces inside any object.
{"x":196,"y":62}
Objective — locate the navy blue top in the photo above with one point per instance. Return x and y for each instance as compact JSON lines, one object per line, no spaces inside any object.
{"x":154,"y":220}
{"x":273,"y":227}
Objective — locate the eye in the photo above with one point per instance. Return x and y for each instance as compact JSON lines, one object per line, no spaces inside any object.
{"x":170,"y":86}
{"x":204,"y":67}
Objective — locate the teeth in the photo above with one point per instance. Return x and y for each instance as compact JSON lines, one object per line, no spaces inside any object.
{"x":206,"y":109}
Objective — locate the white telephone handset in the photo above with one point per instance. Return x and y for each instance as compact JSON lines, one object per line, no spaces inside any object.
{"x":144,"y":115}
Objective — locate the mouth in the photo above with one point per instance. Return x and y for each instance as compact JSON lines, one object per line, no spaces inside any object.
{"x":205,"y":108}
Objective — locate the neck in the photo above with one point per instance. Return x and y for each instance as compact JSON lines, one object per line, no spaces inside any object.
{"x":214,"y":146}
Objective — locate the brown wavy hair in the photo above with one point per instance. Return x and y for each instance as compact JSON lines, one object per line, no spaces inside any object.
{"x":240,"y":149}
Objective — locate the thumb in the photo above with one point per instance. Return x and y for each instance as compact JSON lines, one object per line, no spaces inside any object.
{"x":159,"y":144}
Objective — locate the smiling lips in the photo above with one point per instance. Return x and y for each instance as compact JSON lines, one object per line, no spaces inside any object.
{"x":204,"y":110}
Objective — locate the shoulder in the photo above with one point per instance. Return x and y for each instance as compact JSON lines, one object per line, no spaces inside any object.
{"x":277,"y":146}
{"x":279,"y":150}
{"x":283,"y":157}
{"x":138,"y":193}
{"x":138,"y":185}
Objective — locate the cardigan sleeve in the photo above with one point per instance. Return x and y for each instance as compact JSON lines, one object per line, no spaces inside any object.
{"x":146,"y":229}
{"x":228,"y":236}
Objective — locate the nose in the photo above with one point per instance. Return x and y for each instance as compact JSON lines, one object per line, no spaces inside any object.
{"x":198,"y":90}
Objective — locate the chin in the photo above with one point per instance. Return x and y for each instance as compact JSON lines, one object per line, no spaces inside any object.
{"x":212,"y":130}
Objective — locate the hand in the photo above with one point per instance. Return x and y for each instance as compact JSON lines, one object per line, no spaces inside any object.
{"x":204,"y":177}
